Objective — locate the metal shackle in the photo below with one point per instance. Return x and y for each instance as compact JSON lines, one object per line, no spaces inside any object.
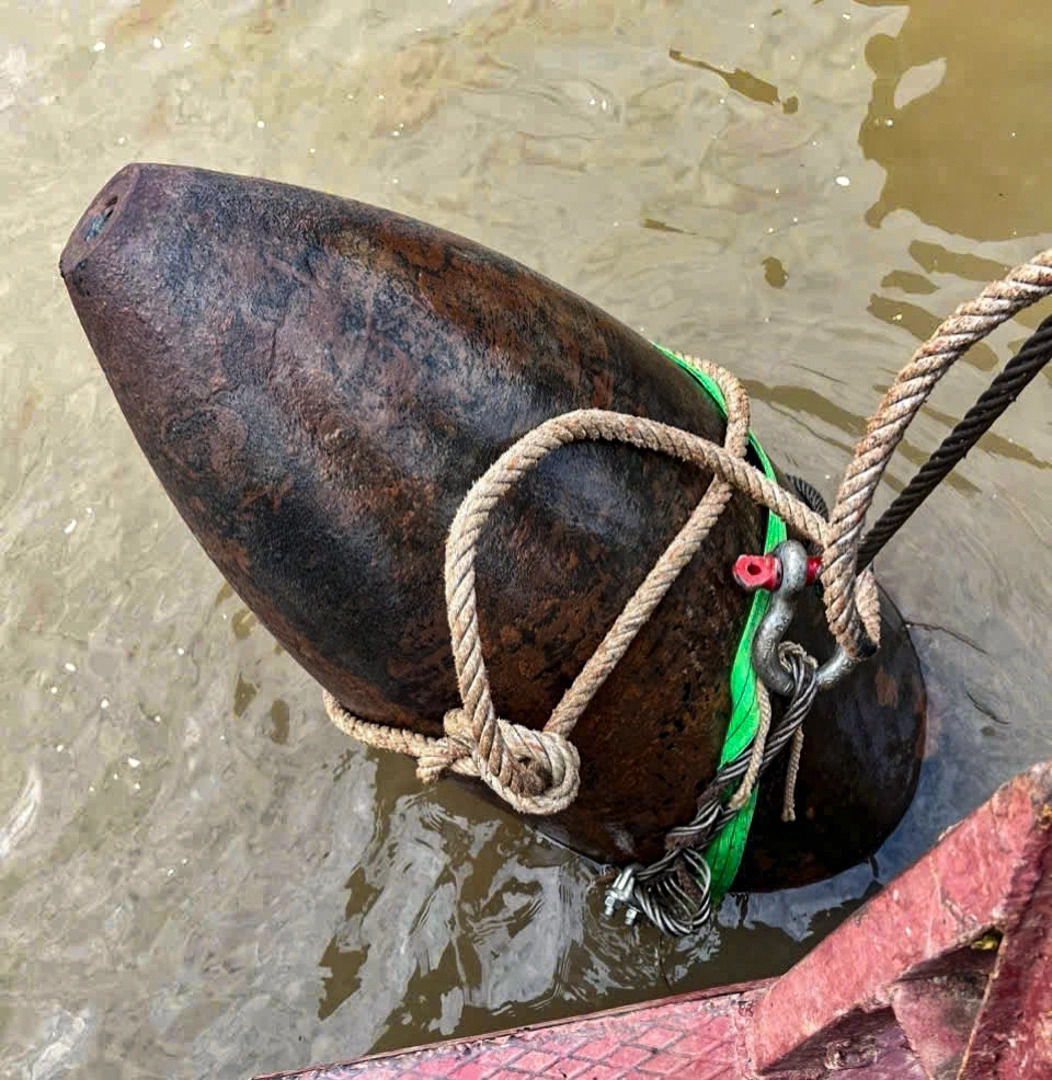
{"x":775,"y":623}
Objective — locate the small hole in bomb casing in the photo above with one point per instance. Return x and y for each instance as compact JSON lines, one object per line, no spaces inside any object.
{"x":96,"y":221}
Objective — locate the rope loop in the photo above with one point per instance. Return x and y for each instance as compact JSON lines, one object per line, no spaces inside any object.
{"x":537,"y":772}
{"x":675,"y":891}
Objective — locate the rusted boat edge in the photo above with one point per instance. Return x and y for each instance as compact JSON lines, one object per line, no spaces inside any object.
{"x":944,"y":975}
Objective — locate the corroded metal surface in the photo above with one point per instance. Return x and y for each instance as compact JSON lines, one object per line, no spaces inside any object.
{"x":945,"y":975}
{"x":691,"y":1037}
{"x":317,"y":383}
{"x":990,"y":876}
{"x":864,"y":741}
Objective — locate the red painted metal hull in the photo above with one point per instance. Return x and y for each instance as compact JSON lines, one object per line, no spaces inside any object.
{"x":945,"y":975}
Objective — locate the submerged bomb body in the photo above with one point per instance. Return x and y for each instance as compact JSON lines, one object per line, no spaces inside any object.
{"x":317,"y":383}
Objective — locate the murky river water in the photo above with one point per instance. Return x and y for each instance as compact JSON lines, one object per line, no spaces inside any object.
{"x":198,"y":875}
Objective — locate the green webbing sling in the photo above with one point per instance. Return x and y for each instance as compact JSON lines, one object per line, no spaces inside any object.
{"x":724,"y":853}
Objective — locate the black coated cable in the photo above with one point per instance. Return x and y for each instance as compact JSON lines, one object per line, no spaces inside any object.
{"x":1006,"y":387}
{"x":809,"y":495}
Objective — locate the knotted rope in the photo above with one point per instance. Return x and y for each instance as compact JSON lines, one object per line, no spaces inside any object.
{"x":537,"y":772}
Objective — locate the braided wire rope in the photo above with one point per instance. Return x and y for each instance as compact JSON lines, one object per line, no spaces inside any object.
{"x":1006,"y":387}
{"x":999,"y":301}
{"x":673,"y":891}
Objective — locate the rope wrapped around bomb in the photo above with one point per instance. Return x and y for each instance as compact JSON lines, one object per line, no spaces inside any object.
{"x":537,"y":772}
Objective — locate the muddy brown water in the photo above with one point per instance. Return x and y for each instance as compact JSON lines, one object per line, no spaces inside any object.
{"x":198,"y":875}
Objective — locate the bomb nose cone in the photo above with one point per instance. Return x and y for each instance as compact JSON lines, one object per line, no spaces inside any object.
{"x":95,"y":226}
{"x":113,"y":266}
{"x":318,"y":382}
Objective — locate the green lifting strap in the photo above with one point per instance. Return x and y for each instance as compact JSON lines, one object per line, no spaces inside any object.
{"x":724,"y":853}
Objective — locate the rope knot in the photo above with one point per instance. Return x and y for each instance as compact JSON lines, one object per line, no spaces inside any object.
{"x":535,"y":772}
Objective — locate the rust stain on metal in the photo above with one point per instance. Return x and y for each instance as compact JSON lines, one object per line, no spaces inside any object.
{"x":887,"y":688}
{"x":317,"y":382}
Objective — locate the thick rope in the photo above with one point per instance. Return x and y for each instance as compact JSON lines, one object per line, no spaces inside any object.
{"x":537,"y":772}
{"x":851,"y":625}
{"x":668,"y":567}
{"x":792,"y":772}
{"x":496,"y":765}
{"x":524,"y":774}
{"x":759,"y":744}
{"x":1006,"y":387}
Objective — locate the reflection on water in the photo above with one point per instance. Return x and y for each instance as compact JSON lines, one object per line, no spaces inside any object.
{"x":801,"y":403}
{"x":970,"y":139}
{"x":937,"y":259}
{"x":774,"y":273}
{"x":198,"y":875}
{"x":922,"y":324}
{"x":742,"y":82}
{"x":908,"y":282}
{"x":20,"y":818}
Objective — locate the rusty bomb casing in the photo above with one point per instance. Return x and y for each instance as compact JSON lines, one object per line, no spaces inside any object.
{"x":317,"y":383}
